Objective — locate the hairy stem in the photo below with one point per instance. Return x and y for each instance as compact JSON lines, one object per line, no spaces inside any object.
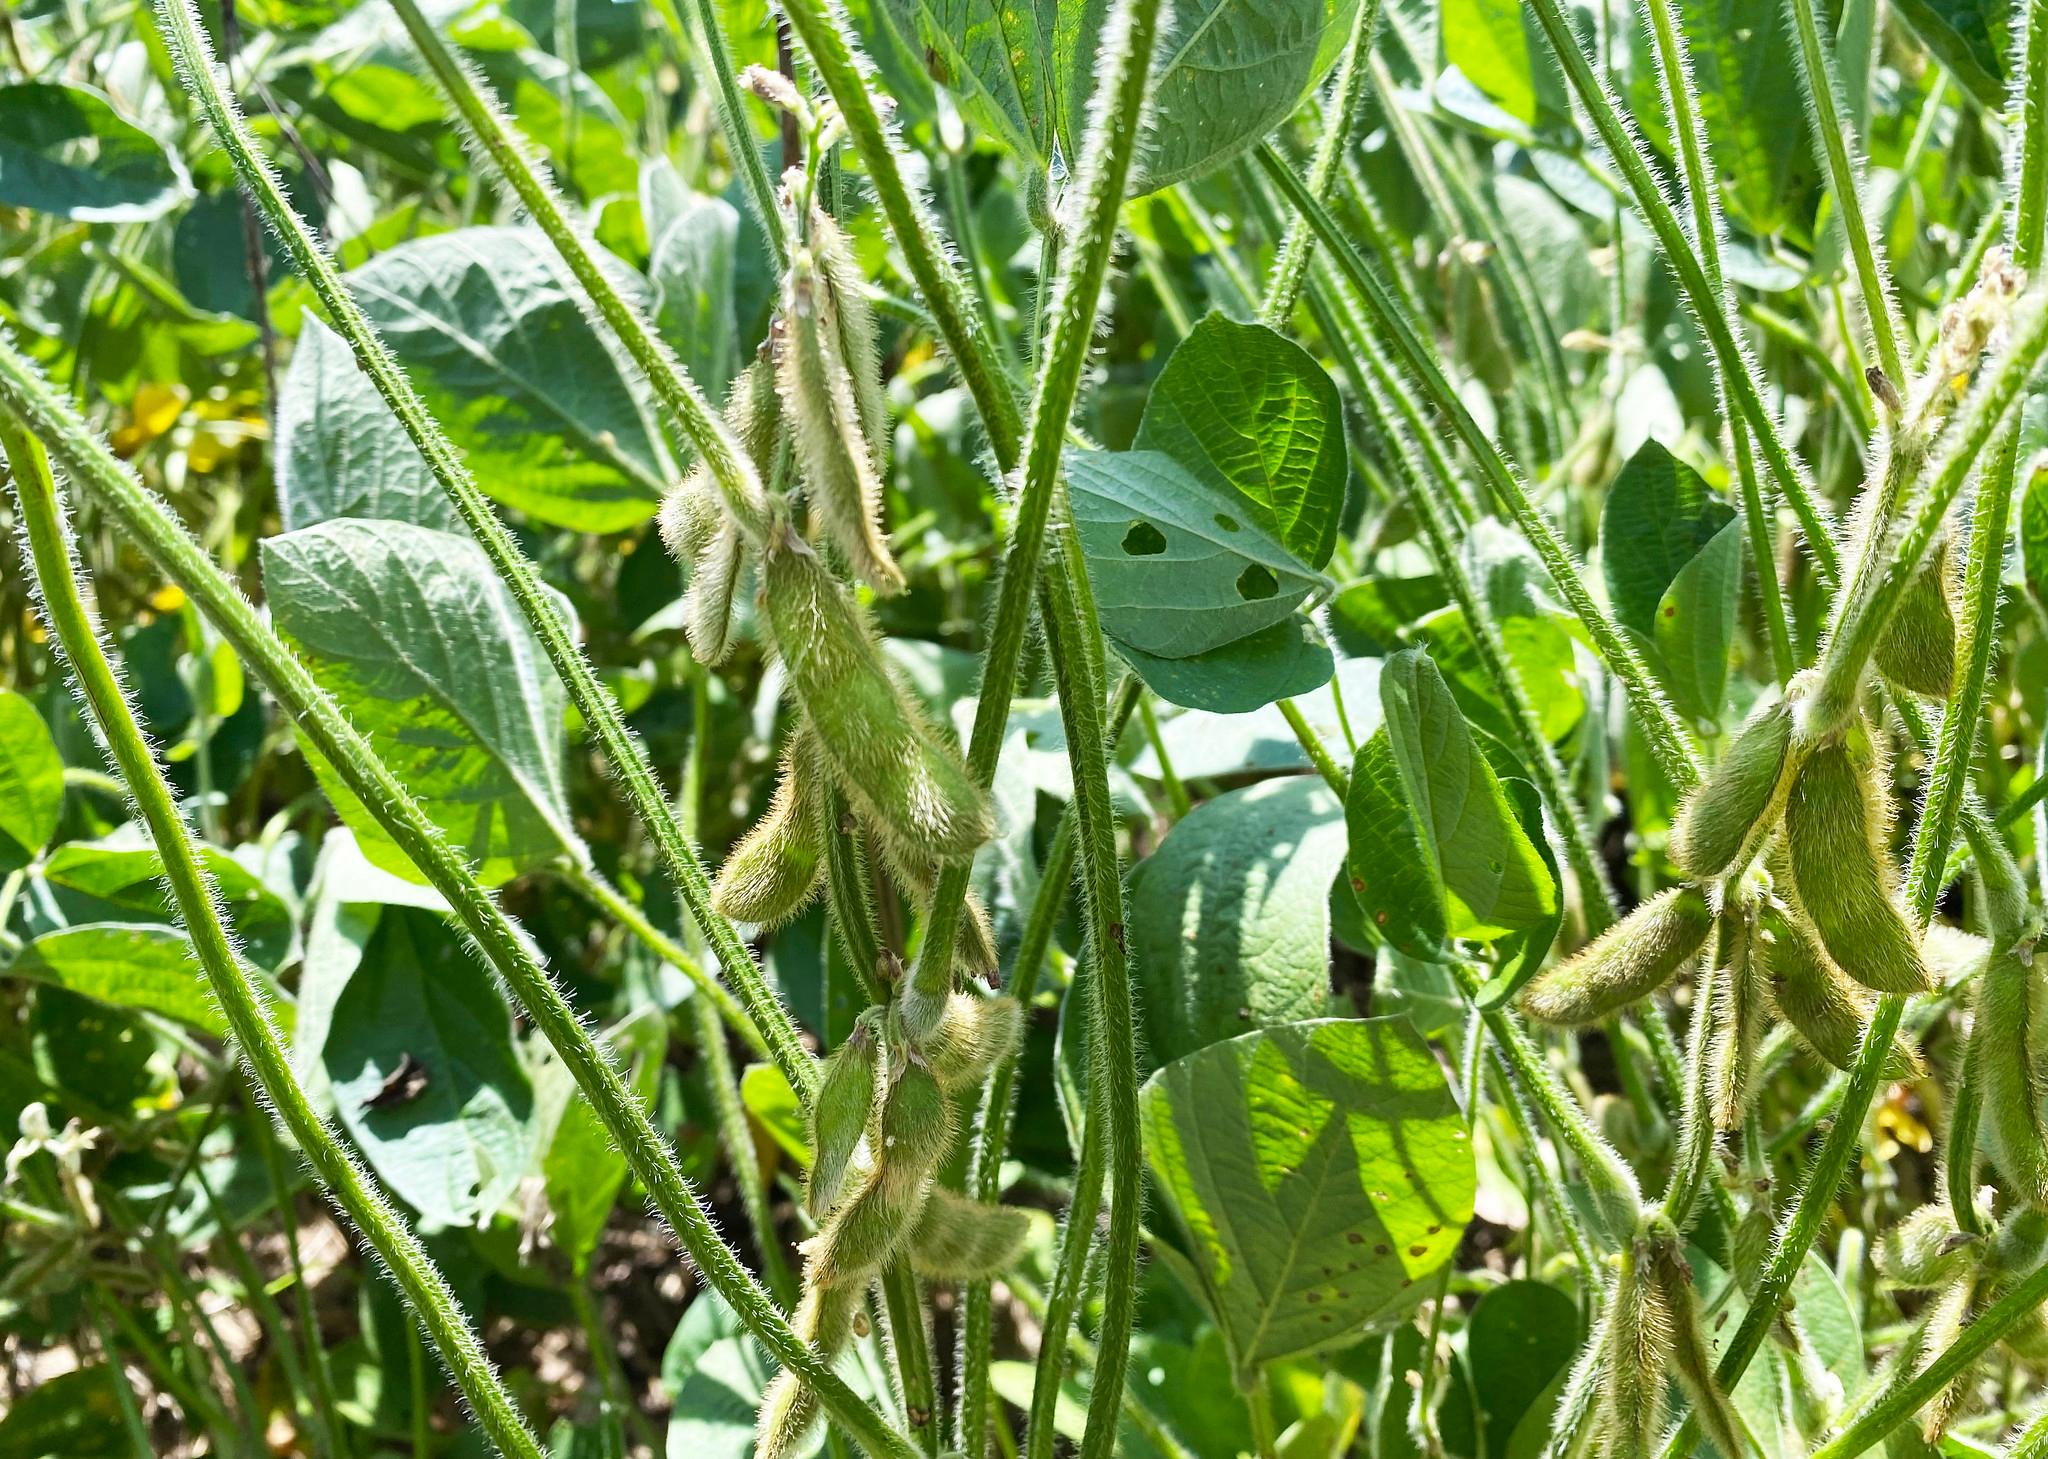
{"x":25,"y":394}
{"x":350,"y":1187}
{"x":623,"y":752}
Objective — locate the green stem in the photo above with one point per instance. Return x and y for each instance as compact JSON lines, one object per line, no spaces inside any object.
{"x":624,"y":911}
{"x":1123,"y":75}
{"x":1069,"y":1272}
{"x":25,"y":394}
{"x":72,"y":626}
{"x":1736,"y":370}
{"x":719,"y":77}
{"x":1817,"y":76}
{"x":1902,"y":1400}
{"x":1667,"y":735}
{"x":1682,"y":120}
{"x":1176,"y":793}
{"x":998,"y":1107}
{"x":1074,"y":638}
{"x":713,"y":442}
{"x":1341,"y":110}
{"x":1334,"y":775}
{"x":903,"y":1312}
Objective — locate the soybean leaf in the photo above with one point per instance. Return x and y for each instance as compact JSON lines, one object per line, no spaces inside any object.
{"x":122,"y":873}
{"x":1286,"y":659}
{"x":1319,"y":1170}
{"x":144,"y":966}
{"x":1521,"y":1338}
{"x":996,"y":60}
{"x":1204,"y":746}
{"x":1178,"y":567}
{"x":340,"y":450}
{"x":1436,"y":851}
{"x":65,"y":150}
{"x":765,"y":1091}
{"x":2033,"y":528}
{"x":1227,"y":72}
{"x":1230,"y":917}
{"x":691,"y":243}
{"x":427,"y":652}
{"x":583,"y":1168}
{"x":31,"y":782}
{"x":1695,"y":625}
{"x":1972,"y":38}
{"x":462,"y":1143}
{"x":1527,"y":951}
{"x":75,"y":1414}
{"x":1242,"y":406}
{"x":1496,"y":47}
{"x":1659,"y":516}
{"x":549,"y":415}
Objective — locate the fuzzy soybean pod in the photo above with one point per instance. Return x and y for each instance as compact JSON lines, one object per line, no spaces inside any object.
{"x":816,"y":380}
{"x":961,"y":1036}
{"x":1826,"y":1010}
{"x":824,"y":1318}
{"x":843,"y":1111}
{"x":1918,"y":648}
{"x":958,"y":1239}
{"x":777,"y":868}
{"x":1728,"y":816}
{"x":2007,"y":1033}
{"x":1630,"y":960}
{"x":700,"y":531}
{"x":1691,"y":1356}
{"x":1630,"y":1416}
{"x":1739,"y":1013}
{"x":910,"y":787}
{"x":909,"y":1139}
{"x":1837,"y":823}
{"x":1925,"y":1249}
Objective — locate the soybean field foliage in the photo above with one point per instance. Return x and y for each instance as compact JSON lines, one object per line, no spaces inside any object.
{"x":1179,"y":728}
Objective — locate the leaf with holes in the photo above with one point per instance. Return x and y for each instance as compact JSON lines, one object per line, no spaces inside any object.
{"x":1179,"y":567}
{"x":425,"y":649}
{"x":1244,"y":407}
{"x":1319,"y":1171}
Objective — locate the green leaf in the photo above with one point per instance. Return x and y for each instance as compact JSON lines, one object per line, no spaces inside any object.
{"x":142,"y":966}
{"x":1659,"y":516}
{"x":583,"y":1168}
{"x":773,"y":1104}
{"x":1227,"y":73}
{"x":124,"y":871}
{"x":65,"y":150}
{"x":1230,"y":917}
{"x":1287,"y":659}
{"x":550,"y":417}
{"x":1464,"y":829}
{"x":2033,"y":529}
{"x":427,"y":652}
{"x":995,"y":59}
{"x":1972,"y":38}
{"x":1521,"y":1337}
{"x":691,"y":243}
{"x":340,"y":450}
{"x":1498,"y":48}
{"x":73,"y":1415}
{"x":1526,"y":953}
{"x":1178,"y":567}
{"x":1319,"y":1169}
{"x":31,"y":782}
{"x":462,"y":1144}
{"x":1695,"y":625}
{"x":1242,"y":406}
